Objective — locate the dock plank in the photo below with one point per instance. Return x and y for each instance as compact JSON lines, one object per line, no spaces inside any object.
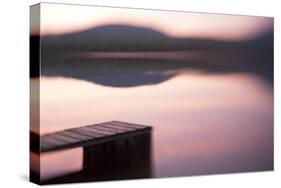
{"x":90,"y":135}
{"x":86,"y":128}
{"x":101,"y":131}
{"x":75,"y":136}
{"x":124,"y":124}
{"x":101,"y":128}
{"x":49,"y":142}
{"x":63,"y":138}
{"x":118,"y":127}
{"x":84,"y":132}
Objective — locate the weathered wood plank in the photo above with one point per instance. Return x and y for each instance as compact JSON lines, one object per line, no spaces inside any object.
{"x":131,"y":124}
{"x":92,"y":131}
{"x":76,"y":136}
{"x":101,"y":131}
{"x":85,"y":133}
{"x":50,"y":140}
{"x":137,"y":126}
{"x":117,"y":127}
{"x":63,"y":138}
{"x":101,"y":128}
{"x":90,"y":135}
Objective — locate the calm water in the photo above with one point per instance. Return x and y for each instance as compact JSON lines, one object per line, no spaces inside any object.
{"x":202,"y":123}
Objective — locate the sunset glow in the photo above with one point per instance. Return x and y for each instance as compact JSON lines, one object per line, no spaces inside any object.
{"x":59,"y":19}
{"x":123,"y":93}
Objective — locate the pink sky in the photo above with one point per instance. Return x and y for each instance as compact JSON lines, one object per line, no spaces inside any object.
{"x":59,"y":18}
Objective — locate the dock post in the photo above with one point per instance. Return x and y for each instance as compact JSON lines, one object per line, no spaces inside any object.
{"x":120,"y":159}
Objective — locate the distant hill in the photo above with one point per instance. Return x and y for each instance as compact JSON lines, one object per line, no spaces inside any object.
{"x":125,"y":38}
{"x":254,"y":55}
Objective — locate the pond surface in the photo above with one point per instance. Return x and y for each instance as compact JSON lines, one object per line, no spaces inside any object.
{"x":202,"y":123}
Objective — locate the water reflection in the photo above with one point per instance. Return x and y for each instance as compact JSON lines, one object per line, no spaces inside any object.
{"x":127,"y":71}
{"x":113,"y":56}
{"x":211,"y":107}
{"x":203,"y":124}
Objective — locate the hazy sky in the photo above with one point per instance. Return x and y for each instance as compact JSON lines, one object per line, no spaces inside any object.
{"x":58,"y":19}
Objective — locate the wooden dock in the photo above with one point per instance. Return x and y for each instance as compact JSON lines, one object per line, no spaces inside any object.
{"x":91,"y":135}
{"x":112,"y":150}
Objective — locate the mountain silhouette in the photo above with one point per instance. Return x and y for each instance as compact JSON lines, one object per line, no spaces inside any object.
{"x":254,"y":55}
{"x":125,"y":38}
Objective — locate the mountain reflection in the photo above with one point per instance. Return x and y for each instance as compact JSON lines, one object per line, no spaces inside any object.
{"x":76,"y":55}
